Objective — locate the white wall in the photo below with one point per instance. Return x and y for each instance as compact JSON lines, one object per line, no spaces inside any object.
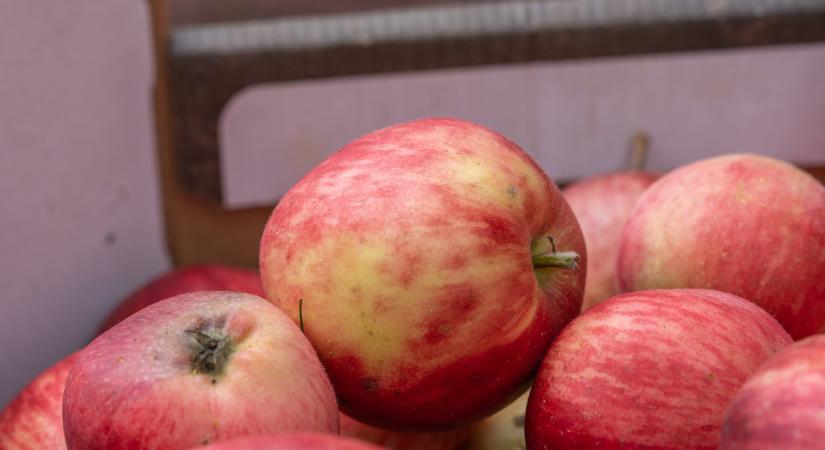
{"x":80,"y":221}
{"x":575,"y":117}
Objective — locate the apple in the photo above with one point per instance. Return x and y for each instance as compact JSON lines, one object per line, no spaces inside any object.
{"x":431,"y":264}
{"x":183,"y":280}
{"x":395,"y":440}
{"x":782,"y":405}
{"x":503,"y":430}
{"x":194,"y":369}
{"x":602,"y":204}
{"x":34,"y":419}
{"x":745,"y":224}
{"x":649,"y":369}
{"x":299,"y":441}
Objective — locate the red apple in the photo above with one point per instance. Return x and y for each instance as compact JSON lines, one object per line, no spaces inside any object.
{"x":745,"y":224}
{"x":183,"y":280}
{"x":602,"y":204}
{"x":195,"y":369}
{"x":302,"y":441}
{"x":419,"y":258}
{"x":503,"y":430}
{"x":649,"y":370}
{"x":782,"y":406}
{"x":396,"y":440}
{"x":34,"y":419}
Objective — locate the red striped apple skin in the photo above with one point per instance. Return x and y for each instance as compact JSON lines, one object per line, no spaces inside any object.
{"x":745,"y":224}
{"x":651,"y":369}
{"x":410,"y":254}
{"x":396,"y":440}
{"x":34,"y":419}
{"x":300,"y":441}
{"x":183,"y":280}
{"x":602,"y":204}
{"x":195,"y":369}
{"x":782,"y":406}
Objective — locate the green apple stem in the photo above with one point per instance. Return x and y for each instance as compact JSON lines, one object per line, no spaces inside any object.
{"x":562,"y":260}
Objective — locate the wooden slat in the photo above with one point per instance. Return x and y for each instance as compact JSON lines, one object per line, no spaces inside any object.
{"x":208,"y":64}
{"x":194,"y":83}
{"x":198,"y":231}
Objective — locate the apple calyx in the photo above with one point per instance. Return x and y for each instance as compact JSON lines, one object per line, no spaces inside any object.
{"x":563,"y":260}
{"x":211,"y":347}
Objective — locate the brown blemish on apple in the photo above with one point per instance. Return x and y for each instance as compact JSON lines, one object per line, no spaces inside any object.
{"x":211,"y":346}
{"x":369,"y":384}
{"x":512,"y":192}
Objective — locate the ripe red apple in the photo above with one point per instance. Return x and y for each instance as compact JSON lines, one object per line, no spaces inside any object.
{"x":300,"y":441}
{"x":431,"y":262}
{"x":782,"y":406}
{"x":745,"y":224}
{"x":194,"y":369}
{"x":396,"y":440}
{"x":183,"y":280}
{"x":34,"y":419}
{"x":651,"y":369}
{"x":503,"y":430}
{"x":602,"y":204}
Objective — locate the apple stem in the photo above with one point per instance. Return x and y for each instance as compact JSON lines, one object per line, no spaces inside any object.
{"x":562,"y":260}
{"x":301,"y":314}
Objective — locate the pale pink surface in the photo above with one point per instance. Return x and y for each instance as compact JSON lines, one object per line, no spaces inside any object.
{"x":301,"y":441}
{"x":135,"y":387}
{"x":34,"y":419}
{"x":651,"y":369}
{"x":602,"y":204}
{"x":745,"y":224}
{"x":575,"y":117}
{"x":81,"y":221}
{"x":782,"y":406}
{"x":395,"y":440}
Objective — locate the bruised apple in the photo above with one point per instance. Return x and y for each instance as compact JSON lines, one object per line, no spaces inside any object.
{"x":34,"y":419}
{"x":431,"y":264}
{"x":194,"y":369}
{"x":651,"y":369}
{"x":396,"y":440}
{"x":300,"y":441}
{"x":183,"y":280}
{"x":602,"y":204}
{"x":749,"y":225}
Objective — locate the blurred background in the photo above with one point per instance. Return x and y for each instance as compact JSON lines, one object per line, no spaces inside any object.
{"x":136,"y":136}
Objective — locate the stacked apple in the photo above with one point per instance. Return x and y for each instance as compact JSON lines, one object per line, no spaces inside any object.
{"x":35,"y":420}
{"x":427,"y":274}
{"x":431,"y":264}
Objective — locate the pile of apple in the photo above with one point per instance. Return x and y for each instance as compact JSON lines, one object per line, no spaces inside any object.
{"x":425,"y":276}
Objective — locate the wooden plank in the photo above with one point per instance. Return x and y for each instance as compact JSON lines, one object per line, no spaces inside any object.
{"x":191,"y":91}
{"x":210,"y":63}
{"x":198,"y":231}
